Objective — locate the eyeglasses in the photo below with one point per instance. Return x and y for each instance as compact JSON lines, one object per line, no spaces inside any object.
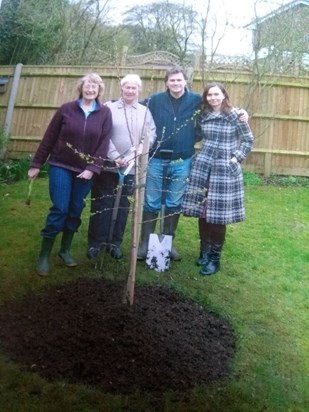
{"x":90,"y":86}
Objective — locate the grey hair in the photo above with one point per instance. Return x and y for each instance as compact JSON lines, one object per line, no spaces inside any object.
{"x":131,"y":78}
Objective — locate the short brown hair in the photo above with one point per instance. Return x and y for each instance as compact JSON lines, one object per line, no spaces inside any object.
{"x":175,"y":70}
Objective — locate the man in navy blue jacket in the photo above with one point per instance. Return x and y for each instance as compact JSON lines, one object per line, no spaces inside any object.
{"x":174,"y":113}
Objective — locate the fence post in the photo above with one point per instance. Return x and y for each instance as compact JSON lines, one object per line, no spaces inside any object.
{"x":10,"y":110}
{"x":267,"y":164}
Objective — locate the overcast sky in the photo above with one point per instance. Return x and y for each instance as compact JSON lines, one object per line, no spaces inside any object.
{"x":237,"y":40}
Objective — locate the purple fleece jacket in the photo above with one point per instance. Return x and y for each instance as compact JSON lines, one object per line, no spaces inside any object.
{"x":75,"y":142}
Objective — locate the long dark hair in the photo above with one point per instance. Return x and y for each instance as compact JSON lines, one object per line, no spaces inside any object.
{"x":226,"y":106}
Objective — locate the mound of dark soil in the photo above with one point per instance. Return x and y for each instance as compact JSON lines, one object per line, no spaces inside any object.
{"x":82,"y":332}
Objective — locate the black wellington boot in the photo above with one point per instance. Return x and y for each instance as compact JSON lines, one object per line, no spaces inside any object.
{"x":217,"y":238}
{"x":203,"y":257}
{"x":213,"y":264}
{"x":204,"y":232}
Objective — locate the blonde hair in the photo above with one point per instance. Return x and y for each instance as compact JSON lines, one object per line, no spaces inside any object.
{"x":131,"y":78}
{"x":93,"y":78}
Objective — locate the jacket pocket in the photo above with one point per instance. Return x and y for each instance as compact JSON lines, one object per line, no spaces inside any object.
{"x":234,"y":168}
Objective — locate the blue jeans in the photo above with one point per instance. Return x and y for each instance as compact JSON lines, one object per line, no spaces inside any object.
{"x":67,"y":193}
{"x":177,"y":174}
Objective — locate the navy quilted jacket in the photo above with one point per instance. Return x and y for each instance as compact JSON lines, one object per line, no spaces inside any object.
{"x":174,"y":132}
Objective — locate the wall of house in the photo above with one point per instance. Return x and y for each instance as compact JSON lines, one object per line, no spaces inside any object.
{"x":278,"y":109}
{"x":285,"y":31}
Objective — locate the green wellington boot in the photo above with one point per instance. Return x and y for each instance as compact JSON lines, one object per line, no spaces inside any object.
{"x":148,"y":226}
{"x":64,"y":252}
{"x":170,"y":226}
{"x":42,"y":266}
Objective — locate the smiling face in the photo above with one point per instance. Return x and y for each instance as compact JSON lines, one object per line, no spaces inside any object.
{"x":176,"y":83}
{"x":90,"y":90}
{"x":215,"y":97}
{"x":129,"y":92}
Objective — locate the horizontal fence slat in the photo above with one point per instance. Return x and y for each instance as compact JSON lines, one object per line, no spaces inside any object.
{"x":281,"y":152}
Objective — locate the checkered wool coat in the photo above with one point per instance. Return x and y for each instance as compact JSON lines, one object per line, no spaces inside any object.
{"x":223,"y":137}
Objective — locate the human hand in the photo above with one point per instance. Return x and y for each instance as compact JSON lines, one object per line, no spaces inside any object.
{"x":33,"y":173}
{"x":86,"y":174}
{"x":243,"y":115}
{"x":124,"y":161}
{"x":121,"y":162}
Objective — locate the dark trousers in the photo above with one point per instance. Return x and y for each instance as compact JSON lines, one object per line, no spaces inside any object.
{"x":103,"y":195}
{"x":211,"y":235}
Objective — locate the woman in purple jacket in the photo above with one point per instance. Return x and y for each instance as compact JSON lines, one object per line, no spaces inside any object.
{"x":75,"y":145}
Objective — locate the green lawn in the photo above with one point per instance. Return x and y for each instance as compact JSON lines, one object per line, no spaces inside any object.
{"x":262,"y":288}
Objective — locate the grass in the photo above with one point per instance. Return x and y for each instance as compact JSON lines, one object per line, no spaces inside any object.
{"x":262,"y":289}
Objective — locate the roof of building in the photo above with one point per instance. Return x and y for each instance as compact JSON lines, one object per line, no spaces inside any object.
{"x":276,"y":12}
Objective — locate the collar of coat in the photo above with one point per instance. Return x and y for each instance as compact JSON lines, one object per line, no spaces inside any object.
{"x":229,"y":117}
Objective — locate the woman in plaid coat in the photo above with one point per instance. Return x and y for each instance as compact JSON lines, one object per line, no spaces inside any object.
{"x":215,"y":192}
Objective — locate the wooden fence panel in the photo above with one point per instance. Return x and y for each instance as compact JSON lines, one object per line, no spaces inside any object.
{"x":278,"y":108}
